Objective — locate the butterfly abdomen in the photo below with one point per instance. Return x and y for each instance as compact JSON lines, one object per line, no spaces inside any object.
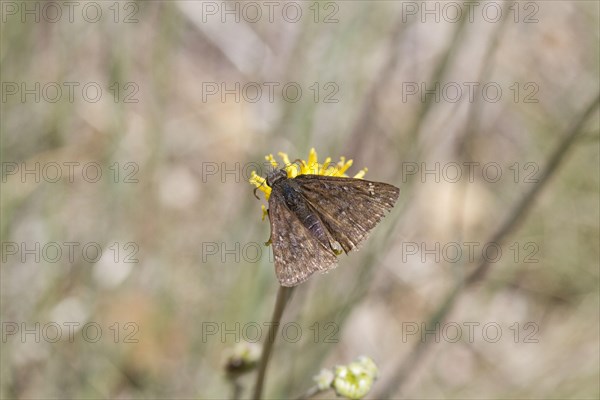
{"x":297,"y":204}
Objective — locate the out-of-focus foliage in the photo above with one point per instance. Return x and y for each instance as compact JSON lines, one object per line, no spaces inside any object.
{"x":174,"y":195}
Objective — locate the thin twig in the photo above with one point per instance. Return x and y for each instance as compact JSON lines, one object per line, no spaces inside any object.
{"x":409,"y":364}
{"x":552,"y":164}
{"x":488,"y":64}
{"x":360,"y":131}
{"x":237,"y":389}
{"x":283,"y":295}
{"x":440,"y":71}
{"x":310,"y":393}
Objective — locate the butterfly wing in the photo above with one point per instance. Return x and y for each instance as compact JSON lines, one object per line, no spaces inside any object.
{"x":298,"y":253}
{"x":349,"y":208}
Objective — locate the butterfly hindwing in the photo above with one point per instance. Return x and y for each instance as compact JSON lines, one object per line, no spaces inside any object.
{"x":298,"y":253}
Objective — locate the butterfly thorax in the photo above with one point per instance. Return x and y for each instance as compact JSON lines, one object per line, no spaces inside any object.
{"x":275,"y":176}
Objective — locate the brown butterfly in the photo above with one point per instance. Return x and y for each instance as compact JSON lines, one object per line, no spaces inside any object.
{"x":314,"y":218}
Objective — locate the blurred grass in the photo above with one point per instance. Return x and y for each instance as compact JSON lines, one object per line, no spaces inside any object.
{"x":171,"y":133}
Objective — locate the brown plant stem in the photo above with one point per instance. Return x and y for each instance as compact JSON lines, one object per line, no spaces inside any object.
{"x":313,"y":391}
{"x":283,"y":295}
{"x":237,"y":389}
{"x":403,"y":369}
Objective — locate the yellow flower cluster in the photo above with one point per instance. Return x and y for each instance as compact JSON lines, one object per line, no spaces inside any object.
{"x":302,"y":167}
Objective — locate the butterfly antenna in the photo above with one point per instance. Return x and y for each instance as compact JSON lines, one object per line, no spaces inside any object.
{"x":299,"y":164}
{"x":256,"y":188}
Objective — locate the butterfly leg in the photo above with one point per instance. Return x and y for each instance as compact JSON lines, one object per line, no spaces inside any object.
{"x":268,"y":242}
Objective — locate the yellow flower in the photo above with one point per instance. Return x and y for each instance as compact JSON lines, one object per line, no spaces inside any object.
{"x":301,"y":167}
{"x":352,"y":381}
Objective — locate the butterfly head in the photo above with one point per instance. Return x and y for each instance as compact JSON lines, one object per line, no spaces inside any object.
{"x":275,"y":176}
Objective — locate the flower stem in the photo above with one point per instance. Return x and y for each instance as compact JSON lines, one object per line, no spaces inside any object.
{"x":283,"y":295}
{"x":310,"y":393}
{"x":237,"y":389}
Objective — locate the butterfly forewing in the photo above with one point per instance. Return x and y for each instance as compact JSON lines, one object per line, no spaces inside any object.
{"x":298,"y":253}
{"x":349,"y":208}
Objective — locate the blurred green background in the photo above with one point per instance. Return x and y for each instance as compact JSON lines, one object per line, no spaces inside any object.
{"x":173,"y":196}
